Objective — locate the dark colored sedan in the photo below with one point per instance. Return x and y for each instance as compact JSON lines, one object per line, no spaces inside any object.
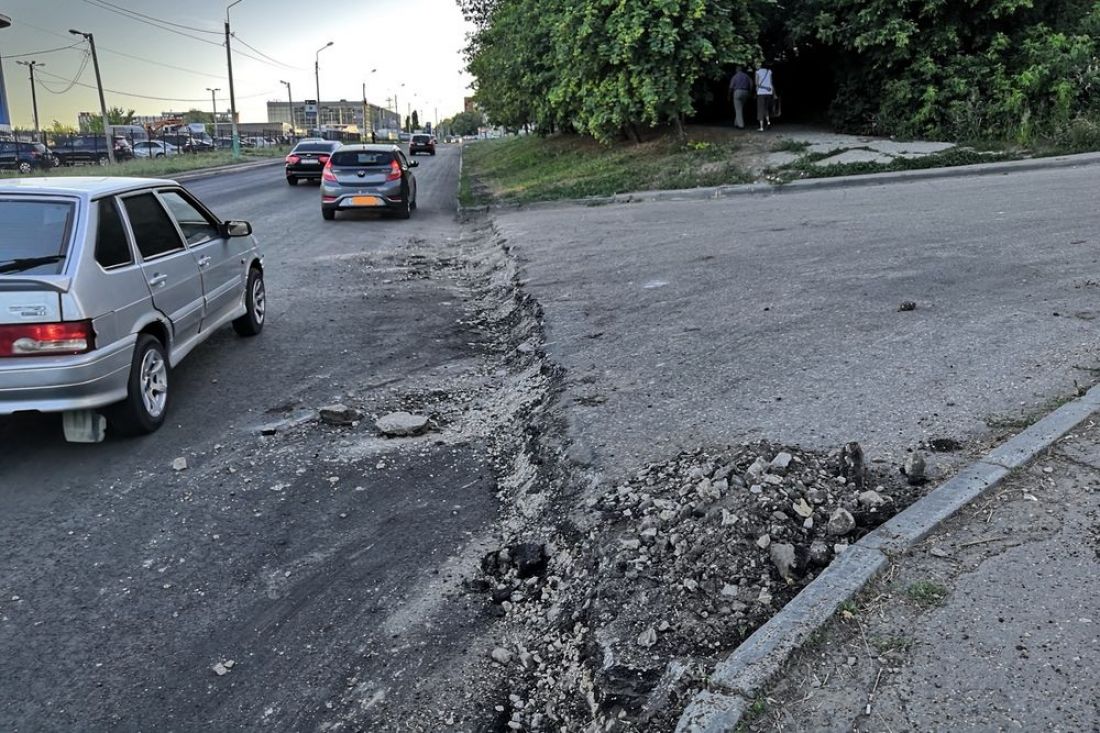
{"x":375,"y":177}
{"x":308,"y":159}
{"x":422,"y":144}
{"x":25,"y":157}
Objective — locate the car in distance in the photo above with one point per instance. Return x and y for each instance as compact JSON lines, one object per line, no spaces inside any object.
{"x":375,"y":177}
{"x":155,"y":149}
{"x":307,"y":159}
{"x":106,"y":284}
{"x":422,"y":144}
{"x":89,"y":149}
{"x":25,"y":157}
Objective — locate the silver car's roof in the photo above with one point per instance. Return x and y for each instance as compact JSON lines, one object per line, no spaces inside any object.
{"x":79,"y":186}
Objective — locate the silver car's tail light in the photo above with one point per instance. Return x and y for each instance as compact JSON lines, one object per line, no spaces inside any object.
{"x":47,"y":339}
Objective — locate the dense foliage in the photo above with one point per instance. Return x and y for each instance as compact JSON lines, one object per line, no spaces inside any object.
{"x":1007,"y":69}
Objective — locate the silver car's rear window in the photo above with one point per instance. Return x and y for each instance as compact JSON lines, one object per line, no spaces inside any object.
{"x":363,"y":158}
{"x":32,"y":229}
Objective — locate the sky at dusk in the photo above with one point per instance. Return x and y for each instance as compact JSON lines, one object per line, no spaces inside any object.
{"x":415,"y":43}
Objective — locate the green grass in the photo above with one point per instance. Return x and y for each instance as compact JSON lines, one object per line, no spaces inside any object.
{"x":926,"y":593}
{"x":526,"y":169}
{"x":806,"y":168}
{"x":160,"y":168}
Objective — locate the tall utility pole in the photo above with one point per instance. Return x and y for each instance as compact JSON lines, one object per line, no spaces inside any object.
{"x":366,"y":109}
{"x":317,"y":81}
{"x":34,"y":96}
{"x":214,"y":104}
{"x":232,"y":96}
{"x":102,"y":102}
{"x":289,"y":106}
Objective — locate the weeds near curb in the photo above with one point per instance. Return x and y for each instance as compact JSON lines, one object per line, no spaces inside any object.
{"x":926,"y":593}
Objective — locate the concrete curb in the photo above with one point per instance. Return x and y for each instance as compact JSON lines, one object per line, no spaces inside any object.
{"x":738,"y":679}
{"x":868,"y":179}
{"x":232,"y":168}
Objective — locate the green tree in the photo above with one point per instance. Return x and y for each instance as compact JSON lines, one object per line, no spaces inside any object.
{"x":467,"y":123}
{"x":415,"y":121}
{"x":115,"y":116}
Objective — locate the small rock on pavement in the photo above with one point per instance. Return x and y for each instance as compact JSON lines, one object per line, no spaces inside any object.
{"x":871,"y":499}
{"x":781,"y":463}
{"x":914,"y":468}
{"x":647,"y":638}
{"x":340,"y":414}
{"x":841,"y":523}
{"x":401,"y":424}
{"x":501,"y":655}
{"x":222,"y":668}
{"x":783,"y":558}
{"x":180,"y":464}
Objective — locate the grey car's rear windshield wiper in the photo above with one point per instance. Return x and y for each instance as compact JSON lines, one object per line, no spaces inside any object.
{"x":26,"y":263}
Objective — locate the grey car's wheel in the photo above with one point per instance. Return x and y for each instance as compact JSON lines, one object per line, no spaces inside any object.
{"x":328,"y":214}
{"x":146,"y":404}
{"x":406,"y":208}
{"x":160,"y":155}
{"x":25,"y":167}
{"x":292,"y":180}
{"x":255,"y":303}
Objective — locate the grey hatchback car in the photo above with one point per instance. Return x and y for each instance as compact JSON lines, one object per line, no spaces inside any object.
{"x":105,"y":285}
{"x":375,"y":177}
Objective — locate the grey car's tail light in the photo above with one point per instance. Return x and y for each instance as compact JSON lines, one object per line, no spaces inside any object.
{"x":47,"y":339}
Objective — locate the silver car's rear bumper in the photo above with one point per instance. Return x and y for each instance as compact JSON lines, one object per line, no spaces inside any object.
{"x":61,"y":383}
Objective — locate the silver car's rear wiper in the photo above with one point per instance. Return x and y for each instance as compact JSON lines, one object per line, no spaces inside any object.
{"x":25,"y":263}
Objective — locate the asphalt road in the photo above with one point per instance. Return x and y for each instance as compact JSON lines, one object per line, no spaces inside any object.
{"x":319,"y":560}
{"x":776,"y":316}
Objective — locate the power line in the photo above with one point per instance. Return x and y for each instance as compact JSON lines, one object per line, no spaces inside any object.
{"x":146,"y":96}
{"x":155,"y":25}
{"x":39,"y":53}
{"x":121,"y":10}
{"x":159,"y":63}
{"x":72,"y":83}
{"x":269,"y":58}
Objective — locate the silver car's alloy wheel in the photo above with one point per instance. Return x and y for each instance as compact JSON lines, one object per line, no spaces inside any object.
{"x":259,"y":299}
{"x":154,"y":383}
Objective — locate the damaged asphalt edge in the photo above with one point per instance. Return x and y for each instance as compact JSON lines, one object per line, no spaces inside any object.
{"x":736,"y":681}
{"x":853,"y":181}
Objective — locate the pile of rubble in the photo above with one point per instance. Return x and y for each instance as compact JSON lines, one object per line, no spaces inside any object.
{"x":615,"y":627}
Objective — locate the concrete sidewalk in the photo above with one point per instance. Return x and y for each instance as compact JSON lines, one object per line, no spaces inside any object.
{"x":992,"y":623}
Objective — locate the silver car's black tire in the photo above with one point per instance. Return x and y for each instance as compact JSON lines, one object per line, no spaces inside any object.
{"x":146,"y":404}
{"x":255,"y":303}
{"x":292,"y":180}
{"x":328,"y":214}
{"x":406,"y":208}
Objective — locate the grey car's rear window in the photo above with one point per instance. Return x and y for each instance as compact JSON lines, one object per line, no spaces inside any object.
{"x":313,"y":148}
{"x":421,"y":138}
{"x":35,"y":229}
{"x":353,"y":158}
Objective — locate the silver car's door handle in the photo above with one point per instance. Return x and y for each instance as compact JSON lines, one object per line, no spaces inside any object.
{"x":204,"y":261}
{"x":156,"y":280}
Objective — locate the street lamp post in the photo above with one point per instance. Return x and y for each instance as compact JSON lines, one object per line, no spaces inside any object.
{"x":289,"y":106}
{"x":102,"y":102}
{"x":366,"y":110}
{"x":214,"y":104}
{"x":317,"y":81}
{"x":34,"y":96}
{"x":232,"y":96}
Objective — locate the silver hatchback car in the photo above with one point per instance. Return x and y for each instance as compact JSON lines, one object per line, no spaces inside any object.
{"x":377,"y":177}
{"x":105,"y":285}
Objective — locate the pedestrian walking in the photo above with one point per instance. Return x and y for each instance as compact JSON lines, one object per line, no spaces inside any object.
{"x":765,"y":88}
{"x":740,"y":91}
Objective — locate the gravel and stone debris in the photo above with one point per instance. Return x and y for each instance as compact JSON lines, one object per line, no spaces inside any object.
{"x":626,"y":612}
{"x":402,"y":424}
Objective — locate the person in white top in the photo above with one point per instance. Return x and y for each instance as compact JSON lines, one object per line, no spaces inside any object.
{"x":762,"y":80}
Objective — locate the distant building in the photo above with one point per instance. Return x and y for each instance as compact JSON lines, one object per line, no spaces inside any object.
{"x":342,"y":114}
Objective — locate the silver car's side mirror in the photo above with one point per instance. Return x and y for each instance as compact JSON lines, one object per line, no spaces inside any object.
{"x":237,"y":229}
